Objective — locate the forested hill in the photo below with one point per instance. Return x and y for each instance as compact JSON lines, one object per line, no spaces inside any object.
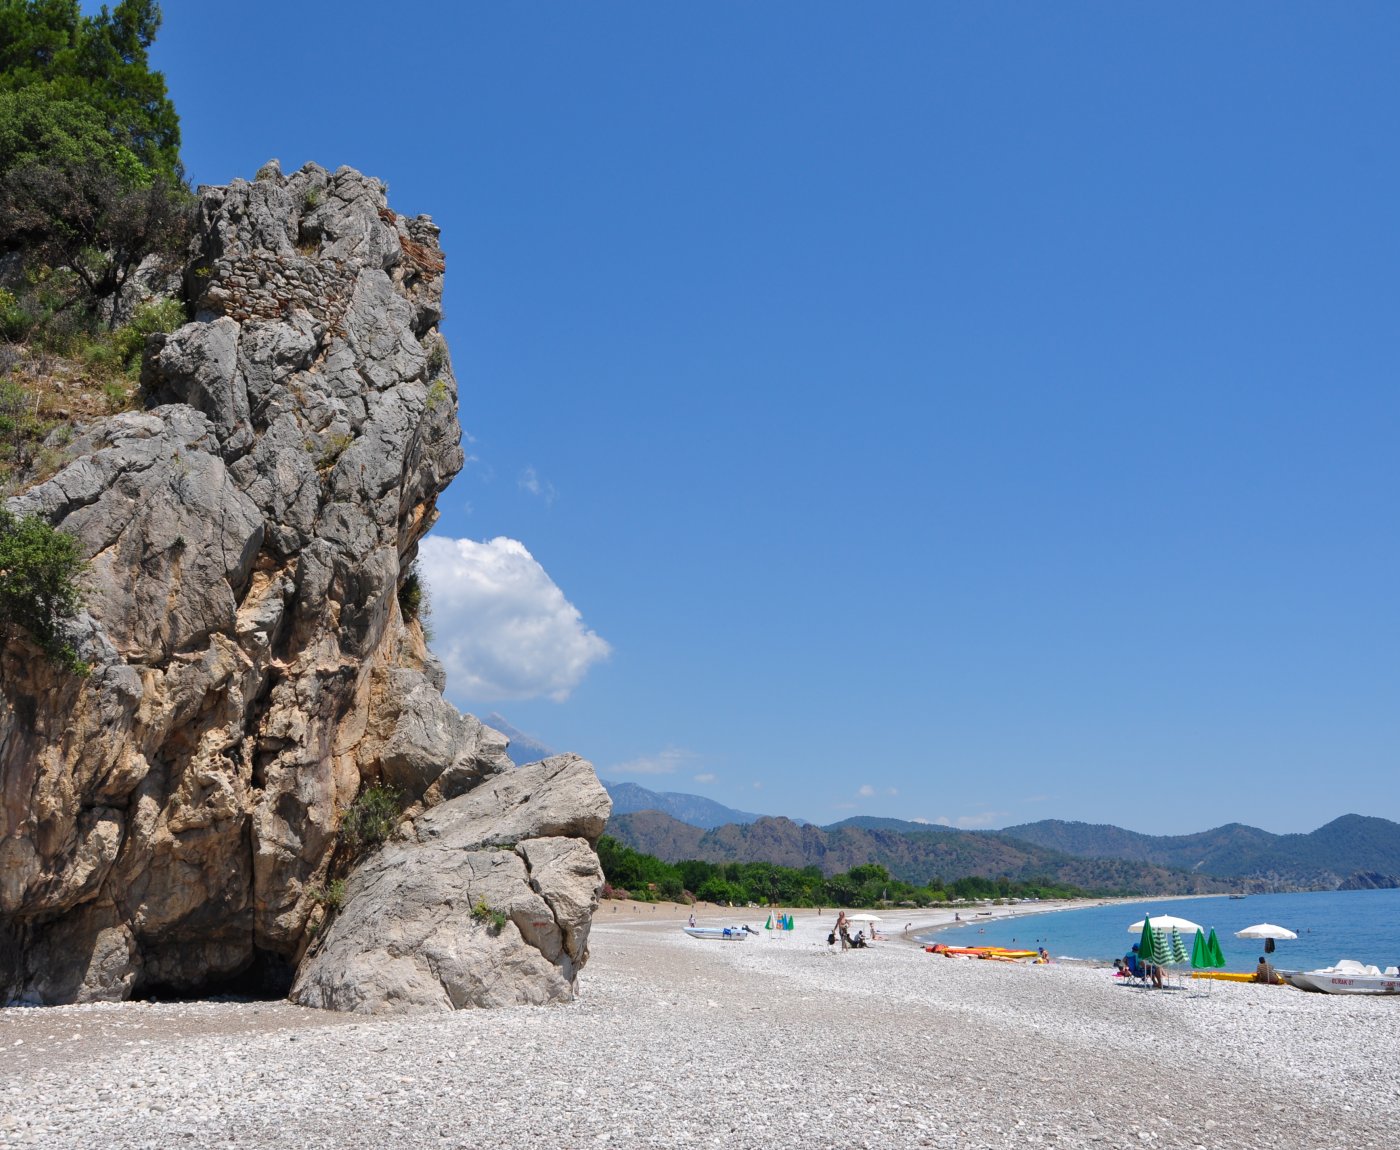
{"x":1351,"y":851}
{"x":932,"y":855}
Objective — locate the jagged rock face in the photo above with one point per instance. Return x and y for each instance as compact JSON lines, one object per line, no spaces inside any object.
{"x":519,"y":847}
{"x":167,"y":821}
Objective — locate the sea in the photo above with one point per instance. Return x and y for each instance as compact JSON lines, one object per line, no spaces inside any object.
{"x":1359,"y":924}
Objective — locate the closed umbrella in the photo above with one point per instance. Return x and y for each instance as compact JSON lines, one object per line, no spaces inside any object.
{"x":1178,"y":946}
{"x":1217,"y":957}
{"x":1200,"y":953}
{"x":1146,"y":941}
{"x":1151,"y":943}
{"x":1161,"y":945}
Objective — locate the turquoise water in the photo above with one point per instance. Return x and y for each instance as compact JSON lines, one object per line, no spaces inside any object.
{"x":1359,"y":924}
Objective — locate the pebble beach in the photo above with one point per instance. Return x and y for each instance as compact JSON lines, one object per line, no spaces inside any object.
{"x":778,"y":1040}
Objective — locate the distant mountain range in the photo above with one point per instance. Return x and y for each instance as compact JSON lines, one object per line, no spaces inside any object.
{"x":693,"y":810}
{"x":523,"y":749}
{"x":934,"y":855}
{"x":1349,"y":853}
{"x":1352,"y":852}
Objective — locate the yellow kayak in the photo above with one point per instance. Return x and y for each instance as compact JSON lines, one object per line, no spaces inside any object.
{"x":1225,"y":975}
{"x":1004,"y":954}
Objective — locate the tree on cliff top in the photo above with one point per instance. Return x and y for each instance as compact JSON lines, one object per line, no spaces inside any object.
{"x":97,"y":61}
{"x":90,"y":178}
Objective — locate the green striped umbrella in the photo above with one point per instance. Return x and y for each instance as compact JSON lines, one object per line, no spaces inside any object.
{"x":1178,"y":947}
{"x":1161,"y":947}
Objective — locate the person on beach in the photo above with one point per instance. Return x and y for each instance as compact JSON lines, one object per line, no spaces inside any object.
{"x":1043,"y":957}
{"x":843,"y":928}
{"x":1264,"y":973}
{"x":692,"y":918}
{"x":1140,"y":969}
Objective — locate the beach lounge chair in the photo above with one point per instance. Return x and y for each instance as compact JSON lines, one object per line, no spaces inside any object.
{"x":1139,"y":972}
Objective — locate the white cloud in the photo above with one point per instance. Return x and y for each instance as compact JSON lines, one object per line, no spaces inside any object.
{"x":866,"y":791}
{"x":501,"y":626}
{"x":971,"y":822}
{"x":530,"y":481}
{"x":665,"y":762}
{"x":707,"y":777}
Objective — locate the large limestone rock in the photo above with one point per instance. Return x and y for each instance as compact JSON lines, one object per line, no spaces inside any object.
{"x":516,"y":850}
{"x":169,"y":822}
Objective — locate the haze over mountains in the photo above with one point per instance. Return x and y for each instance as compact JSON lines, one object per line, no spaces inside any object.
{"x":1351,"y":852}
{"x":696,"y":810}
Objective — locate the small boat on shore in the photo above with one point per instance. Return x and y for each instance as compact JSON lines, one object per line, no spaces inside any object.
{"x":1347,"y":977}
{"x":721,"y":933}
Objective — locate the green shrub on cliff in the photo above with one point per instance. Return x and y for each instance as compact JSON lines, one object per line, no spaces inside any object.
{"x":39,"y":567}
{"x":413,"y":596}
{"x":371,"y":819}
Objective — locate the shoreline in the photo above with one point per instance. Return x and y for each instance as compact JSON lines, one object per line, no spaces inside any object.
{"x":903,"y":923}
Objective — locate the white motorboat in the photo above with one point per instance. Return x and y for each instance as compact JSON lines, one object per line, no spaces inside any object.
{"x":1347,"y":977}
{"x":722,"y":933}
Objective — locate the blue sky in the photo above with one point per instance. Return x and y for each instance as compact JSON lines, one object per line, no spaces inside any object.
{"x":971,"y":413}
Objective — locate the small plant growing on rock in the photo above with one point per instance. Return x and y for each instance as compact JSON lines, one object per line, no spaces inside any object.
{"x":413,"y":597}
{"x":331,"y":896}
{"x":437,"y":358}
{"x":332,"y":450}
{"x":371,"y":819}
{"x":494,"y":919}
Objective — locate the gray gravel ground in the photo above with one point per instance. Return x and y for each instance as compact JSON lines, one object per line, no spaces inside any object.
{"x":678,"y":1042}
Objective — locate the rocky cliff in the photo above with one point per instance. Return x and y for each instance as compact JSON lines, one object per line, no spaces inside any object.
{"x":170,"y":821}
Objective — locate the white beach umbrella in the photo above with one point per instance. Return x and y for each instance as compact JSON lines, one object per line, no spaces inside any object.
{"x":864,"y":918}
{"x":1265,"y":930}
{"x":1165,"y":922}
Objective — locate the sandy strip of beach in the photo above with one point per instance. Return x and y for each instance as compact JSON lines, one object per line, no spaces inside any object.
{"x":679,"y":1042}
